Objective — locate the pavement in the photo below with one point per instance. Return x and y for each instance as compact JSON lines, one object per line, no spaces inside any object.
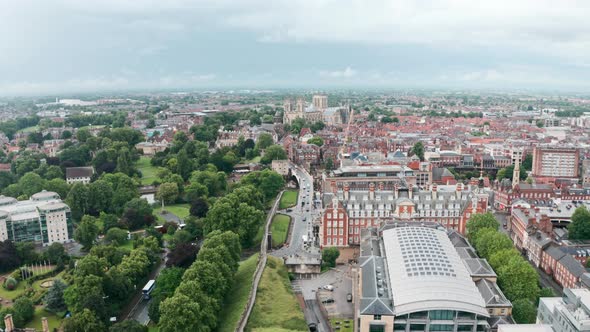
{"x":171,"y":217}
{"x":339,"y":277}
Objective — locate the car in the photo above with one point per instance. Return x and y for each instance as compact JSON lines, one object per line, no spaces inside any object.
{"x":505,"y":226}
{"x":328,"y":300}
{"x":312,"y":327}
{"x":307,"y":210}
{"x":348,"y":297}
{"x":304,"y":219}
{"x":328,"y":287}
{"x":289,"y":210}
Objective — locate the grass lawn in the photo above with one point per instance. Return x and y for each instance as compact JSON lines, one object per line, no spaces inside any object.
{"x":32,"y":129}
{"x":148,"y":171}
{"x":235,"y":304}
{"x":180,"y":210}
{"x":279,"y":228}
{"x":342,"y":322}
{"x":254,"y":160}
{"x":153,"y":328}
{"x":276,"y":306}
{"x":52,"y":319}
{"x":289,"y":199}
{"x":127,"y":245}
{"x":13,"y":294}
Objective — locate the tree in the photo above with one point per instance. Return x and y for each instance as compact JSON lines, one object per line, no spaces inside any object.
{"x":273,"y":152}
{"x":77,"y":200}
{"x":54,"y":172}
{"x":316,"y":140}
{"x":116,"y":235}
{"x":86,"y":294}
{"x":182,"y":255}
{"x":199,"y":207}
{"x":228,"y":214}
{"x":128,"y":325}
{"x":100,"y":197}
{"x":91,"y":265}
{"x":519,"y":280}
{"x":479,"y":221}
{"x":264,"y":141}
{"x":579,"y":228}
{"x":268,"y":182}
{"x":138,"y":213}
{"x":490,"y":241}
{"x":214,"y":181}
{"x":527,"y":163}
{"x":502,"y":257}
{"x":9,"y":259}
{"x":524,"y":311}
{"x":181,"y":314}
{"x":507,"y":173}
{"x":85,"y":321}
{"x":86,"y":232}
{"x":210,"y":279}
{"x":26,"y":252}
{"x":54,"y":299}
{"x":317,"y":126}
{"x":56,"y":253}
{"x":31,"y":183}
{"x":329,"y":164}
{"x":418,"y":150}
{"x":83,"y":134}
{"x":329,"y":256}
{"x":24,"y":310}
{"x":167,"y":192}
{"x":60,"y":186}
{"x":136,"y":265}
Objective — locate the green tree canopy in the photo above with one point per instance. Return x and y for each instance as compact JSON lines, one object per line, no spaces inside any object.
{"x":329,"y":256}
{"x":273,"y":152}
{"x":418,"y":150}
{"x":524,"y":311}
{"x":86,"y":232}
{"x":579,"y":228}
{"x":479,"y":221}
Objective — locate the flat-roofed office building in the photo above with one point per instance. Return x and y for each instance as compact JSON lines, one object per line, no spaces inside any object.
{"x":43,"y":218}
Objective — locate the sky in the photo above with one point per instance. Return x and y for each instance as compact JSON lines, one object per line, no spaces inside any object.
{"x":80,"y":46}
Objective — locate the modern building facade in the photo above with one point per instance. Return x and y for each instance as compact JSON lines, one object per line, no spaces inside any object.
{"x":570,"y":313}
{"x":556,"y":162}
{"x":43,"y":218}
{"x":425,"y":279}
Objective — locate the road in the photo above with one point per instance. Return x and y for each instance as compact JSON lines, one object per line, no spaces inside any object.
{"x":139,"y":312}
{"x":302,"y":217}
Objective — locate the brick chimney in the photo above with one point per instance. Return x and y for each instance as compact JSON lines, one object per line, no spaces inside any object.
{"x":371,"y":191}
{"x":346,"y":191}
{"x":8,"y":323}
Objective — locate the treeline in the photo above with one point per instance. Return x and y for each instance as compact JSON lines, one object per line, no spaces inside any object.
{"x":197,"y":300}
{"x":10,"y":127}
{"x":103,"y":281}
{"x":516,"y":277}
{"x":469,"y":115}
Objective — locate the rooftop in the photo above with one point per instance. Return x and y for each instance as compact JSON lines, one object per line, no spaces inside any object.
{"x":426,"y":272}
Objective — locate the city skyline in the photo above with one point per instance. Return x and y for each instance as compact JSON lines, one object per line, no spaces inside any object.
{"x":94,"y":46}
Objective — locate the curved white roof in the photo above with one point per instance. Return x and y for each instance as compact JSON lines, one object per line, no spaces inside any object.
{"x":426,"y":272}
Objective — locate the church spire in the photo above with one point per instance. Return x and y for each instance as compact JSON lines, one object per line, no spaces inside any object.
{"x":516,"y":173}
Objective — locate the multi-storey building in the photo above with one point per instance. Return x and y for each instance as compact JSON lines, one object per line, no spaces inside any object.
{"x":556,"y":162}
{"x":570,"y":313}
{"x":450,"y":206}
{"x":43,"y":218}
{"x":425,"y":278}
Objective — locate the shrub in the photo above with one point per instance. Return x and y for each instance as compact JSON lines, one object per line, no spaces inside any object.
{"x":10,"y":283}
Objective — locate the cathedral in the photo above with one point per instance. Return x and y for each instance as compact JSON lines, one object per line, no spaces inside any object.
{"x":318,"y":110}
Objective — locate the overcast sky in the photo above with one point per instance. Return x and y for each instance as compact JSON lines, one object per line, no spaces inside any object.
{"x":69,"y":46}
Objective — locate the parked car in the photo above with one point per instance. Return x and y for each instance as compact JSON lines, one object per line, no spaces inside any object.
{"x":289,"y":210}
{"x":348,"y":297}
{"x":328,"y":300}
{"x":328,"y":287}
{"x":312,"y":327}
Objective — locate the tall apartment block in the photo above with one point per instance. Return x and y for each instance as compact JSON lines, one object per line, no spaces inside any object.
{"x":556,"y":162}
{"x":43,"y":218}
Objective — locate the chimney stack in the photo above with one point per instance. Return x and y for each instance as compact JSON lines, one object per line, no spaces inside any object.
{"x":371,"y":191}
{"x":8,"y":323}
{"x":396,"y":191}
{"x":434,"y":192}
{"x":411,"y":191}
